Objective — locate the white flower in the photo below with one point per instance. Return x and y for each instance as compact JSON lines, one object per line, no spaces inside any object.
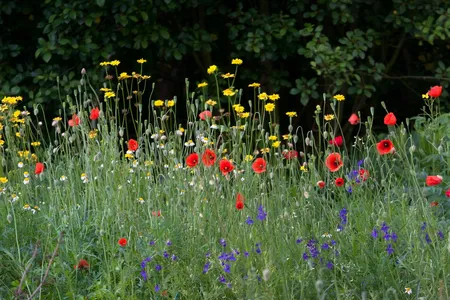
{"x":326,"y":234}
{"x":408,"y":291}
{"x":141,"y":200}
{"x":214,"y":126}
{"x":26,"y":180}
{"x":20,"y":164}
{"x":63,"y":178}
{"x":189,"y":143}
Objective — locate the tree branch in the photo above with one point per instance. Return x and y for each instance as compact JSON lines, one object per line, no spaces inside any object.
{"x":413,"y":77}
{"x":19,"y":288}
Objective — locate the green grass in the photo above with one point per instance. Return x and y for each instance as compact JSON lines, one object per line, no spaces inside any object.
{"x":306,"y":247}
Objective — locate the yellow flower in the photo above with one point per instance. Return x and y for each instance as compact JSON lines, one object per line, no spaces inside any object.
{"x":203,"y":84}
{"x":159,"y":103}
{"x":104,"y":63}
{"x":291,"y":114}
{"x":263,"y":96}
{"x":1,"y":127}
{"x":248,"y":157}
{"x":287,"y":136}
{"x":124,"y":75}
{"x":269,"y":107}
{"x":229,"y":92}
{"x":303,"y":168}
{"x":103,"y":89}
{"x":211,"y":102}
{"x":425,"y":96}
{"x":16,"y":113}
{"x":170,"y":103}
{"x":254,"y":85}
{"x":129,"y":155}
{"x":339,"y":97}
{"x":276,"y":144}
{"x":2,"y":142}
{"x":273,"y":138}
{"x":3,"y":107}
{"x":181,"y":129}
{"x":18,"y":134}
{"x":242,"y":127}
{"x":236,"y":61}
{"x":244,"y":115}
{"x":57,"y":119}
{"x":238,"y":108}
{"x":110,"y":95}
{"x":265,"y":150}
{"x":329,"y":117}
{"x":3,"y":179}
{"x":212,"y":69}
{"x":35,"y":144}
{"x":93,"y":133}
{"x":141,"y":61}
{"x":34,"y":157}
{"x":145,"y":77}
{"x":114,"y":63}
{"x":148,"y":163}
{"x":227,"y":75}
{"x":25,"y":153}
{"x":274,"y":97}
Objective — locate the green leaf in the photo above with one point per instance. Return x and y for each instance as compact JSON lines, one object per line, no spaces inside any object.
{"x":100,"y":2}
{"x":177,"y":55}
{"x":47,"y":56}
{"x":164,"y":33}
{"x":144,"y":15}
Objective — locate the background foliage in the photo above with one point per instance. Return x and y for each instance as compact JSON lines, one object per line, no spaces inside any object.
{"x":306,"y":49}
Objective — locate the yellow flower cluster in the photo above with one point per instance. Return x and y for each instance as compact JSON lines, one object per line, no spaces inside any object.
{"x":211,"y":102}
{"x":158,"y":103}
{"x":11,"y":100}
{"x":114,"y":63}
{"x":238,"y":108}
{"x":236,"y":61}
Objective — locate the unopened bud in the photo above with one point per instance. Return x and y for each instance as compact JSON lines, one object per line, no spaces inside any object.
{"x":83,"y":71}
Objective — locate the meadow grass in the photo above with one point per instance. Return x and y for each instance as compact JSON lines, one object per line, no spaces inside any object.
{"x":104,"y":204}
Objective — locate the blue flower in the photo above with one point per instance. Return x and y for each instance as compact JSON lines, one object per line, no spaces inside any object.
{"x":158,"y":268}
{"x":206,"y":267}
{"x":144,"y":275}
{"x":226,"y":268}
{"x":166,"y":254}
{"x":330,"y":265}
{"x":249,"y":221}
{"x":168,"y":243}
{"x":223,"y":242}
{"x":389,"y":249}
{"x":152,"y":242}
{"x":394,"y":236}
{"x":222,"y":279}
{"x":325,"y":246}
{"x":298,"y":241}
{"x":261,"y":213}
{"x":305,"y":256}
{"x":360,"y":163}
{"x":157,"y":288}
{"x":374,"y":233}
{"x":424,"y":226}
{"x":343,"y":216}
{"x":384,"y":227}
{"x":427,"y":238}
{"x":174,"y":257}
{"x":440,"y":234}
{"x":246,"y":254}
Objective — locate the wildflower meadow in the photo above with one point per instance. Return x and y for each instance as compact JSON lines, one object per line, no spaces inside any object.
{"x":117,"y":198}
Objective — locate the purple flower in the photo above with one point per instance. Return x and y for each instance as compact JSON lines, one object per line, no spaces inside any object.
{"x":343,"y":216}
{"x":249,"y":221}
{"x":298,"y":241}
{"x":440,"y":234}
{"x":305,"y":256}
{"x":330,"y":265}
{"x":174,"y":257}
{"x":144,"y":275}
{"x":427,"y":238}
{"x":261,"y":213}
{"x":208,"y":254}
{"x":206,"y":267}
{"x":152,"y":243}
{"x":424,"y":226}
{"x":157,"y":288}
{"x":353,"y":174}
{"x":349,"y":190}
{"x":223,"y":242}
{"x":384,"y":227}
{"x":325,"y":246}
{"x":394,"y":237}
{"x":246,"y":254}
{"x":374,"y":233}
{"x":333,"y":242}
{"x":387,"y":236}
{"x":360,"y":163}
{"x":168,"y":243}
{"x":158,"y":268}
{"x":226,"y":268}
{"x":166,"y":254}
{"x":236,"y":251}
{"x":222,"y":279}
{"x":389,"y":249}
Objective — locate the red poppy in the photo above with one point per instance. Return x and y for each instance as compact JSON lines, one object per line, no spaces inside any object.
{"x":435,"y":91}
{"x":225,"y":166}
{"x":259,"y":165}
{"x":205,"y":115}
{"x":239,"y":201}
{"x":95,"y":112}
{"x":209,"y":157}
{"x":354,"y":119}
{"x":390,"y":119}
{"x":447,"y":193}
{"x":123,"y":242}
{"x":82,"y":265}
{"x":75,"y":121}
{"x":434,"y":203}
{"x":192,"y":160}
{"x":339,"y":181}
{"x":433,"y":180}
{"x":290,"y":154}
{"x":337,"y":141}
{"x":39,"y":168}
{"x":156,"y":213}
{"x":334,"y":162}
{"x":364,"y":174}
{"x":321,"y":184}
{"x":133,"y":145}
{"x":385,"y":147}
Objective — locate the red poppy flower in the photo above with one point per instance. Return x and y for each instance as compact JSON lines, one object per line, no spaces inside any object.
{"x":123,"y":242}
{"x":156,"y":213}
{"x":225,"y":166}
{"x":209,"y":157}
{"x":320,"y":184}
{"x":75,"y":121}
{"x":259,"y":165}
{"x":447,"y":193}
{"x":339,"y":181}
{"x":337,"y":141}
{"x":192,"y":160}
{"x":82,"y":265}
{"x":385,"y":147}
{"x":133,"y":145}
{"x":334,"y":162}
{"x":390,"y":119}
{"x":95,"y":112}
{"x":434,"y":203}
{"x":354,"y":119}
{"x":433,"y":180}
{"x":205,"y":115}
{"x":290,"y":154}
{"x":39,"y":168}
{"x":364,"y":174}
{"x":435,"y":91}
{"x":239,"y":201}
